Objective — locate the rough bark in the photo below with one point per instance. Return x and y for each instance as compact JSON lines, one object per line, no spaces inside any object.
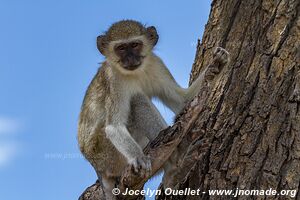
{"x":252,"y":128}
{"x":247,"y":135}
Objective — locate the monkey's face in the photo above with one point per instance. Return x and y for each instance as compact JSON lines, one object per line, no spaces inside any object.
{"x":127,"y":44}
{"x":129,"y":54}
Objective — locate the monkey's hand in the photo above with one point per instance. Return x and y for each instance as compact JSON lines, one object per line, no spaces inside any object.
{"x":220,"y":58}
{"x":141,"y":166}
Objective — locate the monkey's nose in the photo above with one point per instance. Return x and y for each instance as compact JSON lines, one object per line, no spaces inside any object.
{"x":131,"y":63}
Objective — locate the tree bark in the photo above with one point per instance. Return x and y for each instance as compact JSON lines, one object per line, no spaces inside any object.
{"x":252,"y":121}
{"x":247,"y":134}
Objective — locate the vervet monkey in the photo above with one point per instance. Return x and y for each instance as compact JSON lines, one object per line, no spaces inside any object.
{"x":117,"y":117}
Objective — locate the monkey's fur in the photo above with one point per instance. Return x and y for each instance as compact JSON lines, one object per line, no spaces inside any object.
{"x":117,"y":117}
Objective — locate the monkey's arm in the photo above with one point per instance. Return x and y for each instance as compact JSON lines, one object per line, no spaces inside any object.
{"x":116,"y":131}
{"x":122,"y":140}
{"x":220,"y":58}
{"x":176,"y":97}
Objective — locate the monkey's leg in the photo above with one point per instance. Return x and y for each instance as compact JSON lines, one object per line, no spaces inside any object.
{"x":145,"y":120}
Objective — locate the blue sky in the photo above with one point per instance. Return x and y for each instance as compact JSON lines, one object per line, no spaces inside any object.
{"x":48,"y":56}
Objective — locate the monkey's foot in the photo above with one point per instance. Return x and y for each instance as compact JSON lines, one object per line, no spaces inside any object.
{"x":141,"y":166}
{"x":220,"y":58}
{"x":295,"y":97}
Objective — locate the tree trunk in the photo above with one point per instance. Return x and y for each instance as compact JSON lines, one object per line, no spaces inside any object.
{"x":252,"y":120}
{"x":247,"y":136}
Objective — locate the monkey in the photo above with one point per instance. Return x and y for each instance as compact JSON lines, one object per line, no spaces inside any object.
{"x":117,"y":118}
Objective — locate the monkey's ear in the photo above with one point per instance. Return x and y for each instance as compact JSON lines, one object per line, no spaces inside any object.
{"x":102,"y":43}
{"x":152,"y":35}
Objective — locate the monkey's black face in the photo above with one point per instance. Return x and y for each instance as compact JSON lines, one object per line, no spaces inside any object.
{"x":129,"y":54}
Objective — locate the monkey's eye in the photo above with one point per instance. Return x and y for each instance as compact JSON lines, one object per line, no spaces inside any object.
{"x":121,"y":47}
{"x":134,"y":44}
